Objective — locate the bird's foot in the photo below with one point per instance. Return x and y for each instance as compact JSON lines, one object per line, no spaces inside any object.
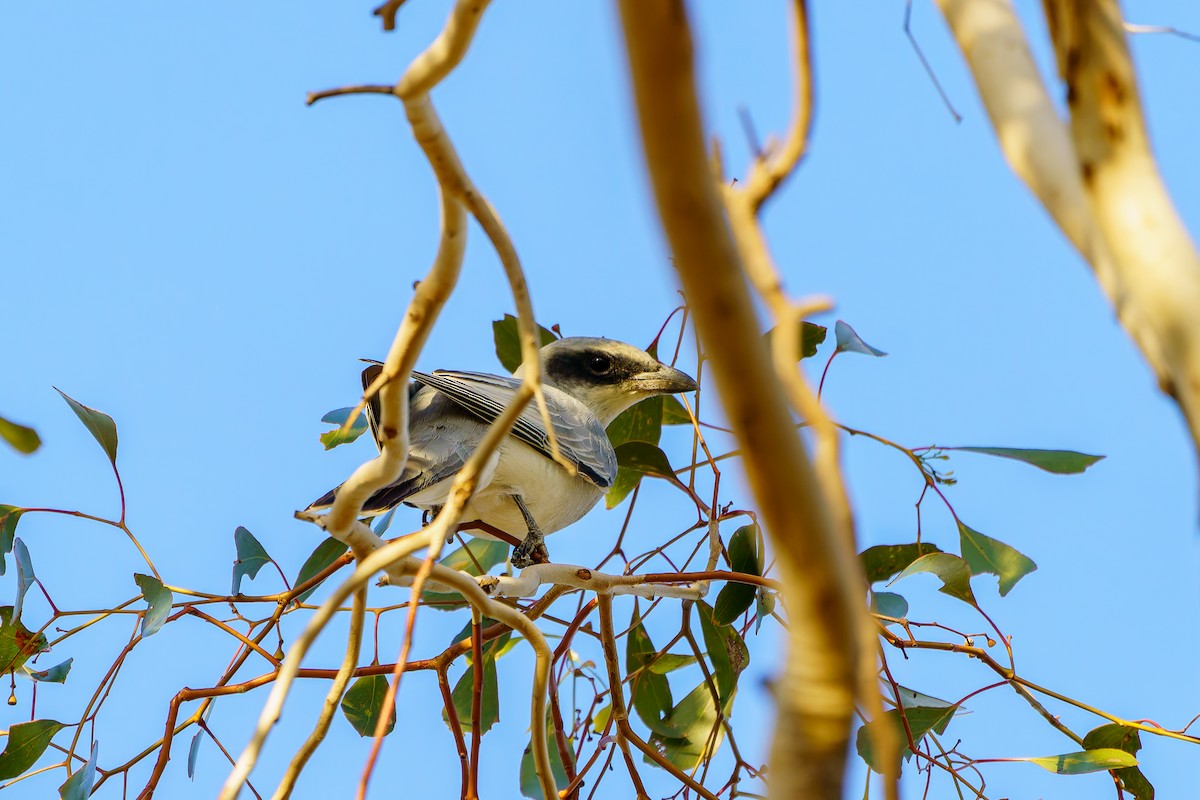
{"x":532,"y":550}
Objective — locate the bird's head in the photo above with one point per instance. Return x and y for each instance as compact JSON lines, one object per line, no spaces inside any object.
{"x":606,"y":375}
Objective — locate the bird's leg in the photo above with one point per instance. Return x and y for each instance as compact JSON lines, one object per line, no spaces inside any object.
{"x":532,"y":550}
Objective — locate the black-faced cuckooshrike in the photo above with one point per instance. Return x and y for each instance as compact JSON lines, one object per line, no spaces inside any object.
{"x":587,"y":383}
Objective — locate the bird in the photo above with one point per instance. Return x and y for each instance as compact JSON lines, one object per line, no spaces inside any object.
{"x":521,"y":490}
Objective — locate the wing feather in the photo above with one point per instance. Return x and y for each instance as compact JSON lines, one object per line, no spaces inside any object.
{"x":581,"y":437}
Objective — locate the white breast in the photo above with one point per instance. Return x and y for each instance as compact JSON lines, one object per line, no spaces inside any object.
{"x":554,"y":498}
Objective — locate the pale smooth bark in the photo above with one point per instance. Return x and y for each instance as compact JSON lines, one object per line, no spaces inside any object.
{"x":1094,"y":173}
{"x":816,"y":690}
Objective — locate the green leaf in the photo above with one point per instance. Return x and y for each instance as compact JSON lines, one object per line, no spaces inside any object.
{"x":1127,"y":739}
{"x":645,"y":458}
{"x":486,"y":552}
{"x":634,"y":460}
{"x":25,"y":576}
{"x":1082,"y":763}
{"x":889,"y":604}
{"x":883,"y":561}
{"x":811,"y":335}
{"x":8,"y":529}
{"x":649,"y":691}
{"x":669,"y":662}
{"x":99,"y":424}
{"x":746,"y":556}
{"x":763,"y":607}
{"x":850,"y":342}
{"x":25,"y":744}
{"x":727,"y":653}
{"x":194,"y":754}
{"x":338,"y":436}
{"x":952,"y":570}
{"x":696,"y":716}
{"x":508,"y":342}
{"x":23,"y":439}
{"x":638,"y":423}
{"x":79,"y":785}
{"x":363,"y":704}
{"x":921,"y":720}
{"x":325,"y":554}
{"x":464,"y":694}
{"x":1060,"y":462}
{"x":985,"y":554}
{"x":627,"y":480}
{"x":384,"y":521}
{"x":18,"y":644}
{"x":56,"y":674}
{"x":530,"y":787}
{"x":674,"y":412}
{"x":600,"y":721}
{"x":159,"y":597}
{"x":911,"y":698}
{"x":250,"y":557}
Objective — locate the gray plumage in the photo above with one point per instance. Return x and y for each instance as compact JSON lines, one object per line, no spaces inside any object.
{"x":587,"y":382}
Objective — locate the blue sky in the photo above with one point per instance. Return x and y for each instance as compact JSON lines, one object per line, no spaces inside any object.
{"x":189,"y":248}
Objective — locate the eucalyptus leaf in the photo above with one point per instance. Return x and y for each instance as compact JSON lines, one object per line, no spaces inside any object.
{"x":25,"y":744}
{"x":325,"y":554}
{"x":22,"y":438}
{"x":159,"y":597}
{"x":469,"y":558}
{"x":953,"y":572}
{"x":463,"y":695}
{"x":508,"y":341}
{"x":882,"y":561}
{"x":727,"y":653}
{"x":889,"y":604}
{"x":251,"y":556}
{"x":530,"y":786}
{"x":811,"y":335}
{"x":850,"y":342}
{"x":649,"y":691}
{"x":920,"y":719}
{"x":340,"y":435}
{"x":56,"y":674}
{"x":99,"y":424}
{"x":985,"y":554}
{"x":18,"y":644}
{"x":745,"y":556}
{"x":1082,"y":763}
{"x":79,"y":785}
{"x":1060,"y":462}
{"x":25,"y":576}
{"x":9,"y":515}
{"x":645,"y":458}
{"x":362,"y":705}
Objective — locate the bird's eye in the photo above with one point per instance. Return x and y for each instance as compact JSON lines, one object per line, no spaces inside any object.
{"x":599,"y":364}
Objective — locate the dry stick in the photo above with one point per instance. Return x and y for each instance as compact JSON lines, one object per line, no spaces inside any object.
{"x":476,"y":702}
{"x":389,"y":698}
{"x":620,"y":713}
{"x":817,"y":688}
{"x":616,"y":689}
{"x":287,"y":783}
{"x":460,"y":744}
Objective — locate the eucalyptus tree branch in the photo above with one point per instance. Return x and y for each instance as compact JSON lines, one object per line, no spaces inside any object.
{"x":817,"y":689}
{"x":1095,"y":176}
{"x":287,"y":783}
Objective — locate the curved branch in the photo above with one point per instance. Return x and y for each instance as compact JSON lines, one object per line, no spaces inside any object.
{"x":816,"y":692}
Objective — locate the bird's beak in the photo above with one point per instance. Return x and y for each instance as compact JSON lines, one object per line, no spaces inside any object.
{"x":665,"y":380}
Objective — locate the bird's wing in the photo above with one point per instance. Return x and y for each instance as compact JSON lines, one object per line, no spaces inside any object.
{"x":581,"y":437}
{"x":432,"y":456}
{"x":373,"y":408}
